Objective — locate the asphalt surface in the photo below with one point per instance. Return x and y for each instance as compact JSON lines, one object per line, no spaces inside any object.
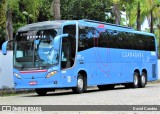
{"x":150,"y":95}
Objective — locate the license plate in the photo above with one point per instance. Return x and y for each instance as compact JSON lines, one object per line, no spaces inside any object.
{"x":33,"y":83}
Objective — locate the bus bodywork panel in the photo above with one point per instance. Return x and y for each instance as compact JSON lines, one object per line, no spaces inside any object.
{"x":37,"y":79}
{"x":108,"y":66}
{"x":102,"y":64}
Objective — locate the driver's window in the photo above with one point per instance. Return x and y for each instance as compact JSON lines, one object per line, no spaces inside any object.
{"x":68,"y":47}
{"x":65,"y":58}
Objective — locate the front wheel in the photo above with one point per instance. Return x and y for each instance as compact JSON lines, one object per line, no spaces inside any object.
{"x":81,"y":84}
{"x":41,"y":92}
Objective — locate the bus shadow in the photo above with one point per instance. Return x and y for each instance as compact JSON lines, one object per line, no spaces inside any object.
{"x":63,"y":92}
{"x":69,"y":92}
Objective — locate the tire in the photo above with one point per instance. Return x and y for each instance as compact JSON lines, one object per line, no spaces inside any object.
{"x":136,"y":80}
{"x":81,"y":85}
{"x":106,"y":87}
{"x":41,"y":92}
{"x":143,"y":80}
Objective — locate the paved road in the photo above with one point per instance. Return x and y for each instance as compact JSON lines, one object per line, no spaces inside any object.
{"x":119,"y":96}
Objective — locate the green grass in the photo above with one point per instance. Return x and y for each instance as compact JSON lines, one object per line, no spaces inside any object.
{"x":157,"y":81}
{"x":12,"y":92}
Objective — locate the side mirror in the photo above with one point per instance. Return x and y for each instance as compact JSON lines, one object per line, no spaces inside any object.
{"x":57,"y":41}
{"x":4,"y":47}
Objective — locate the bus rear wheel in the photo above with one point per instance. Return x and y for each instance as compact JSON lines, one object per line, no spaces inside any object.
{"x":81,"y":84}
{"x":136,"y":80}
{"x":41,"y":92}
{"x":143,"y":80}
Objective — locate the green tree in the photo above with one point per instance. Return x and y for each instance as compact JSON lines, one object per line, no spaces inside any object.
{"x":11,"y":5}
{"x":134,"y":10}
{"x":2,"y":20}
{"x":116,"y":11}
{"x":45,"y":12}
{"x":56,"y":9}
{"x":84,"y":9}
{"x":32,"y":8}
{"x":158,"y":34}
{"x":2,"y":14}
{"x":152,"y":12}
{"x":138,"y":16}
{"x":138,"y":10}
{"x":27,"y":12}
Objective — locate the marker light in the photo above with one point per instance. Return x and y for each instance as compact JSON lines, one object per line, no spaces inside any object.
{"x":101,"y":26}
{"x":17,"y":75}
{"x":51,"y":74}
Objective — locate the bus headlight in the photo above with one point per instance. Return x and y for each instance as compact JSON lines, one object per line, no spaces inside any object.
{"x":17,"y":75}
{"x":51,"y":74}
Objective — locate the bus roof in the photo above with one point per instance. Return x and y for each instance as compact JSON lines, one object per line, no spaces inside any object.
{"x":112,"y":26}
{"x":85,"y":22}
{"x":42,"y":25}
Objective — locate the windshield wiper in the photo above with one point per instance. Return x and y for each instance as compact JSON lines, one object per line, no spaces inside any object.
{"x":23,"y":66}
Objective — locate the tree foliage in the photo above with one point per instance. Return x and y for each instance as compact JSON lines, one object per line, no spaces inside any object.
{"x":2,"y":14}
{"x":29,"y":11}
{"x":45,"y":11}
{"x":56,"y":12}
{"x":2,"y":20}
{"x":32,"y":8}
{"x":84,"y":9}
{"x":11,"y":5}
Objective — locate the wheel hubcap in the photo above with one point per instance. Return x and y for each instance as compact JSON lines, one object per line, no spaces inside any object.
{"x":80,"y":84}
{"x":136,"y":80}
{"x":143,"y":79}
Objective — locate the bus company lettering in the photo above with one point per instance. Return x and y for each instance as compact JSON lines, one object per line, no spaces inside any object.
{"x":132,"y":54}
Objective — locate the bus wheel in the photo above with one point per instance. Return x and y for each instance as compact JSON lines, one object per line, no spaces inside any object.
{"x":136,"y":80}
{"x":143,"y":80}
{"x":41,"y":92}
{"x":81,"y":86}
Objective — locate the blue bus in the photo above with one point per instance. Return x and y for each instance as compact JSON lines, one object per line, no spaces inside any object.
{"x":80,"y":53}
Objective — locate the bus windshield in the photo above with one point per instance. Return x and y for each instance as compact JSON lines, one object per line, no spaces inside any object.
{"x":28,"y":54}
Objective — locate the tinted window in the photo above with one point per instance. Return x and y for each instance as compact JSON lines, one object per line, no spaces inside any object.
{"x":87,"y":38}
{"x":94,"y":37}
